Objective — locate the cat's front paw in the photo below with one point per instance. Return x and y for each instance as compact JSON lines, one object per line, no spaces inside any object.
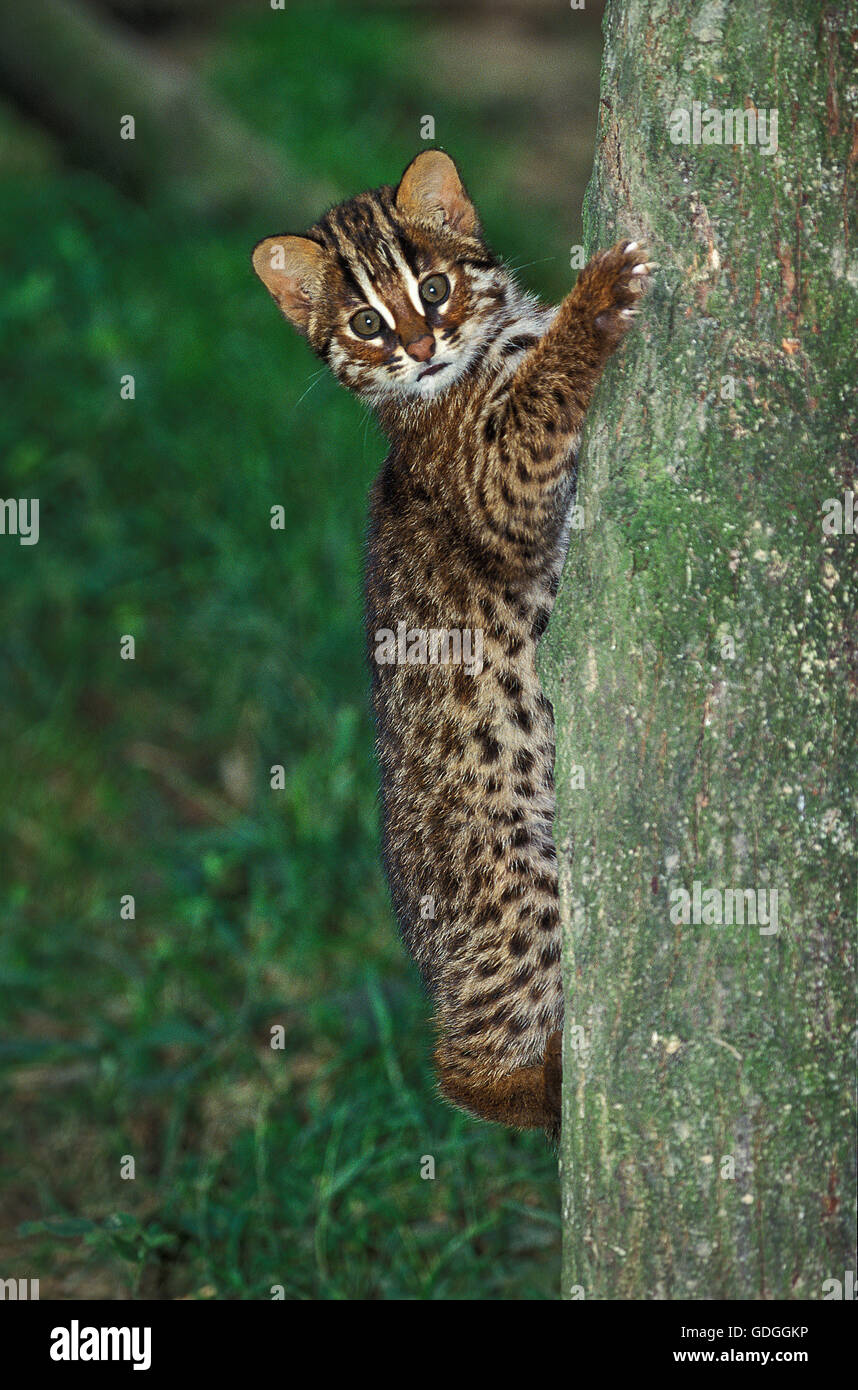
{"x":609,"y":287}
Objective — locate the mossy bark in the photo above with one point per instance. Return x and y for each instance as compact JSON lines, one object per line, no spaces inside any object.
{"x":701,"y":663}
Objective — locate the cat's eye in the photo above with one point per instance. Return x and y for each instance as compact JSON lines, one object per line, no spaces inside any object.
{"x":435,"y":289}
{"x":366,"y":323}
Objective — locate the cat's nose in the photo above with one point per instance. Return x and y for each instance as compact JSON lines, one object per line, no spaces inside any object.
{"x":422,"y":348}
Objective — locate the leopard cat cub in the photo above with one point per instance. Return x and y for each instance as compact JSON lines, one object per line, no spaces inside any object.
{"x":481,"y":391}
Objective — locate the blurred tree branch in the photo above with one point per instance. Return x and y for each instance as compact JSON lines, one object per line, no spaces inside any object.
{"x":79,"y":75}
{"x":144,"y":13}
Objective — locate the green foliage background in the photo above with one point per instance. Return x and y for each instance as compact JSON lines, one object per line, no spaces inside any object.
{"x":254,"y":1166}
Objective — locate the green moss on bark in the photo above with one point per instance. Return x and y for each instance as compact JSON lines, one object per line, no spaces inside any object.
{"x":701,"y":662}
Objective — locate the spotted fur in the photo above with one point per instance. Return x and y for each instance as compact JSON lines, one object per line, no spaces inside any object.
{"x":468,"y":530}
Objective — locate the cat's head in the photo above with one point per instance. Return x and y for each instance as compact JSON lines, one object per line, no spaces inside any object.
{"x":395,"y":289}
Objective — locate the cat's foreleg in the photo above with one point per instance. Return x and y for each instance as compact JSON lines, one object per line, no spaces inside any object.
{"x":531,"y":425}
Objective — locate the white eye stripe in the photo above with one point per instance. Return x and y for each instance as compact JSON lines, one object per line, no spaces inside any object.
{"x":416,"y":292}
{"x":373,"y":299}
{"x":411,"y":283}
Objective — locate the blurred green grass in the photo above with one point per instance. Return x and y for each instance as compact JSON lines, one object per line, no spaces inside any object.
{"x":255,"y":1167}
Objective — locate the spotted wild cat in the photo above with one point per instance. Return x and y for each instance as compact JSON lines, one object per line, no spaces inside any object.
{"x":482,"y":393}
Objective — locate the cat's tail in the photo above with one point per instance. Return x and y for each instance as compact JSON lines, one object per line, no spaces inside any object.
{"x":527,"y":1098}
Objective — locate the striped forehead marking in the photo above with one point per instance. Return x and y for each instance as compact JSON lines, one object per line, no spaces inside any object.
{"x":395,"y":259}
{"x":409,"y":279}
{"x":366,"y":238}
{"x":357,"y":236}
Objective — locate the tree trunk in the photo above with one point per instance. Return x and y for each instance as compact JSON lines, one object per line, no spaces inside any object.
{"x":701,"y":662}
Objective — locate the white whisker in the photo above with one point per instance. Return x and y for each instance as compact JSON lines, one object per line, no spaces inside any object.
{"x":316,"y":377}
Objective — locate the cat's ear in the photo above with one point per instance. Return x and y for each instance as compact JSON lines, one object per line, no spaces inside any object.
{"x":431,"y":191}
{"x":291,"y":269}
